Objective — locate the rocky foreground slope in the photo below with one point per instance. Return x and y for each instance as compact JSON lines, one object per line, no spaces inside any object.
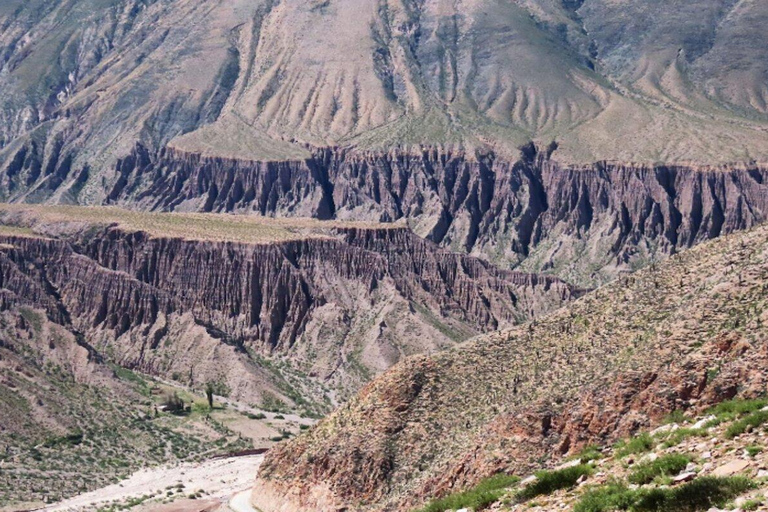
{"x":202,"y":299}
{"x":681,"y":335}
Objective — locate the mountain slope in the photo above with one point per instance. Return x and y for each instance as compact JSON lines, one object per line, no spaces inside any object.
{"x":84,"y":80}
{"x":294,"y":313}
{"x":682,"y":334}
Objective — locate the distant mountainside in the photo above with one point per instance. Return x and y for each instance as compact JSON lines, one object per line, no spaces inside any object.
{"x":680,"y":335}
{"x":379,"y":110}
{"x":293,"y":314}
{"x":648,"y":80}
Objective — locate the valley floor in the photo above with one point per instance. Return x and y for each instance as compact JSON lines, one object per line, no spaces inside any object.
{"x":210,"y":484}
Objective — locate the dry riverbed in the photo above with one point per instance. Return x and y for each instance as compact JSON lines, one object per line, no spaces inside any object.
{"x":182,"y":487}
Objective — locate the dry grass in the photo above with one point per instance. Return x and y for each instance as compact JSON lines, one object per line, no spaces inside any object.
{"x":188,"y":226}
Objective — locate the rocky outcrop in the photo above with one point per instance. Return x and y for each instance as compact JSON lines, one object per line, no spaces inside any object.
{"x":586,"y":224}
{"x":340,"y":307}
{"x":683,"y":334}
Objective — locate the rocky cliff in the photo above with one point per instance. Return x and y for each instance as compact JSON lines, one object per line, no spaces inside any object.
{"x":339,"y":307}
{"x":585,"y":224}
{"x":683,"y":334}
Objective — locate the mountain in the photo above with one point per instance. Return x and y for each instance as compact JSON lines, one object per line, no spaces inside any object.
{"x":283,"y":314}
{"x":677,"y":336}
{"x":418,"y":110}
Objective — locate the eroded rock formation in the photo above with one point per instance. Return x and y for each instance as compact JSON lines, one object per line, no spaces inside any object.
{"x":340,"y":308}
{"x":585,"y":224}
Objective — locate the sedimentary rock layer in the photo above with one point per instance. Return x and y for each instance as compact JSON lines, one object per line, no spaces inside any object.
{"x":340,"y":308}
{"x":585,"y":224}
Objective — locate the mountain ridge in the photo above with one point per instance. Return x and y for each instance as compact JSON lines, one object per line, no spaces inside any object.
{"x":682,"y":334}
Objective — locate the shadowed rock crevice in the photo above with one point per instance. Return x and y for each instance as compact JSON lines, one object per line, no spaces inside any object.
{"x":606,"y":217}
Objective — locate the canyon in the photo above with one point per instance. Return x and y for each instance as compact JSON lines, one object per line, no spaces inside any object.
{"x":476,"y":236}
{"x":336,"y":303}
{"x":585,"y":224}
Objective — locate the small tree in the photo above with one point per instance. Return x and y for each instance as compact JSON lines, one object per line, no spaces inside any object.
{"x":173,"y":403}
{"x":209,"y":394}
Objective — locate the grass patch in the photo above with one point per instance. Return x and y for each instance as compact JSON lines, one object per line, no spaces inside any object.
{"x":678,"y":436}
{"x":701,"y":494}
{"x":611,"y":496}
{"x":753,"y":504}
{"x":754,"y":420}
{"x":668,"y":465}
{"x":639,"y":444}
{"x":753,"y":450}
{"x":589,"y":453}
{"x":479,"y":497}
{"x":548,"y":482}
{"x":733,"y":408}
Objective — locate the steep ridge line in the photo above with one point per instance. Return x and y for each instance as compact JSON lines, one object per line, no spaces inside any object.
{"x":682,"y":334}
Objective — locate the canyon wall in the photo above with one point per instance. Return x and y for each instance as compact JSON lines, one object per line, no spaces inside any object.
{"x":586,"y":224}
{"x":338,"y":309}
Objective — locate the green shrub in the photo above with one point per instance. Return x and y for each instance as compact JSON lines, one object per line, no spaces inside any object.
{"x":699,"y":495}
{"x":753,"y":450}
{"x":676,"y":416}
{"x":639,"y":444}
{"x":667,"y":465}
{"x":753,"y":504}
{"x":611,"y":496}
{"x":735,"y":408}
{"x":483,"y":494}
{"x":678,"y":436}
{"x":548,"y":482}
{"x":739,"y":427}
{"x":591,"y":452}
{"x":259,"y":416}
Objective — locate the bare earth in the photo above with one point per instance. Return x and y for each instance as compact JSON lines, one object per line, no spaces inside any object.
{"x":219,"y":479}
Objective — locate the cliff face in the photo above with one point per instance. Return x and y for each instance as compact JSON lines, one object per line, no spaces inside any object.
{"x":338,"y":308}
{"x":683,"y":334}
{"x":585,"y":224}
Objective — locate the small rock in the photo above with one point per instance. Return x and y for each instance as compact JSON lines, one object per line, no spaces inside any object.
{"x":731,"y":468}
{"x":684,"y":477}
{"x":650,"y":457}
{"x":707,"y":466}
{"x":569,"y":464}
{"x":703,"y":421}
{"x":665,"y":428}
{"x":762,"y":473}
{"x":464,"y":510}
{"x":690,"y":468}
{"x":706,"y":455}
{"x":528,"y":480}
{"x":582,"y":479}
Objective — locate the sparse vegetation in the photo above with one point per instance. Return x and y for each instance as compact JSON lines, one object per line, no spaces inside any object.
{"x":641,"y":443}
{"x":701,"y":494}
{"x":549,"y":481}
{"x":477,"y":498}
{"x":666,"y":465}
{"x":753,"y":420}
